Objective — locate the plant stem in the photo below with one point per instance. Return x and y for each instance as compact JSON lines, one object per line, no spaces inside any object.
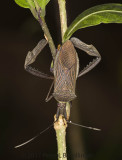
{"x":39,"y":14}
{"x":60,"y":128}
{"x":61,"y":125}
{"x":48,"y":36}
{"x":63,"y":17}
{"x":63,"y":20}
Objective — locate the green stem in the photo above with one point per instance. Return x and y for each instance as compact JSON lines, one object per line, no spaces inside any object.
{"x":32,"y":8}
{"x":48,"y":36}
{"x":63,"y":17}
{"x":60,"y":128}
{"x":61,"y":125}
{"x":39,"y":14}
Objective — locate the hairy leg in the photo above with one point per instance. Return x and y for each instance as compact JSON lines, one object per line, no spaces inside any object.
{"x":90,"y":50}
{"x":31,"y":57}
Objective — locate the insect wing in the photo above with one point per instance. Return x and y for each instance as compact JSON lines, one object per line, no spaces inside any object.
{"x":66,"y":69}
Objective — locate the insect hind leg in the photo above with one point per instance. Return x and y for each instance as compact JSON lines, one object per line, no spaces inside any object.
{"x":90,"y":50}
{"x":61,"y":109}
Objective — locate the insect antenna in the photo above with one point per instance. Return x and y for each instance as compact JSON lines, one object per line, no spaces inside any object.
{"x":30,"y":140}
{"x":96,"y":129}
{"x":70,"y":122}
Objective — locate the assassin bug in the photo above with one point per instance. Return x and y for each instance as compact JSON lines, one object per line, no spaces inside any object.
{"x":65,"y":70}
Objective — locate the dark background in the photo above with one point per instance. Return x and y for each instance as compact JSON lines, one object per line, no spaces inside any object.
{"x":23,"y":110}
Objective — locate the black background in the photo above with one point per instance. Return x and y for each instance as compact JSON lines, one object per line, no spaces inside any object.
{"x":23,"y":110}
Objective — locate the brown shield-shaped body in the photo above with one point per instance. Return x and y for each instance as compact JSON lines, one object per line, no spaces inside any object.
{"x":66,"y":68}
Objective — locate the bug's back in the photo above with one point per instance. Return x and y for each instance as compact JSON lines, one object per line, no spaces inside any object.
{"x":66,"y":68}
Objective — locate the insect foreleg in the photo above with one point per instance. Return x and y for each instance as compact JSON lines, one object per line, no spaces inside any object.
{"x":90,"y":50}
{"x":31,"y":57}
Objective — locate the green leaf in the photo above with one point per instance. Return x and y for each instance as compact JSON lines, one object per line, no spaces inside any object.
{"x":105,"y":13}
{"x":43,"y":3}
{"x":30,"y":3}
{"x":22,"y":3}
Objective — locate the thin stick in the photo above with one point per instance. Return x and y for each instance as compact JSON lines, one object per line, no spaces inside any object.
{"x":60,"y":128}
{"x":38,"y":14}
{"x":61,"y":125}
{"x":63,"y":17}
{"x":47,"y":35}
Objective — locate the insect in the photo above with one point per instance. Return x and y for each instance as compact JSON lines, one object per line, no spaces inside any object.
{"x":65,"y":73}
{"x":65,"y":70}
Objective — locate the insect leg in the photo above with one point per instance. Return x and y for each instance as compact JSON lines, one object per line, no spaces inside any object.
{"x":57,"y":113}
{"x":31,"y":57}
{"x":65,"y":113}
{"x":61,"y":109}
{"x":48,"y":98}
{"x":90,"y":50}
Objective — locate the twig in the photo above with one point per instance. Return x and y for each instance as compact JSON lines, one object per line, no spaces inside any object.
{"x":47,"y":36}
{"x":39,"y":14}
{"x":61,"y":125}
{"x":63,"y":17}
{"x":60,"y":128}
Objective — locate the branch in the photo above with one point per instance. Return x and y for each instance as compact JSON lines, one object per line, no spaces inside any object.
{"x":63,"y":17}
{"x":47,"y":36}
{"x":61,"y":125}
{"x":39,"y":14}
{"x":60,"y":128}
